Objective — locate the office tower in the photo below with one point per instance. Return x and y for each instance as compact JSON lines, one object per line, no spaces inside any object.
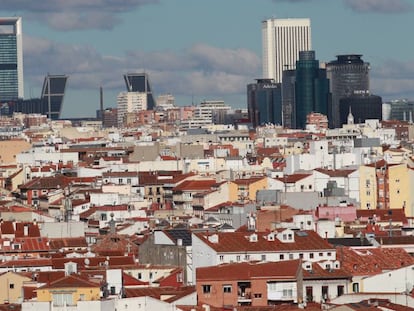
{"x":128,"y":103}
{"x":288,"y":99}
{"x":363,"y":106}
{"x":139,"y":82}
{"x":282,"y":40}
{"x":399,"y":109}
{"x":53,"y":92}
{"x":348,"y":75}
{"x":50,"y":102}
{"x":311,"y":88}
{"x":264,"y":102}
{"x":11,"y":59}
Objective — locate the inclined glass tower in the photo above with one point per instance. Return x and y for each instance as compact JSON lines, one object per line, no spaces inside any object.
{"x":11,"y":59}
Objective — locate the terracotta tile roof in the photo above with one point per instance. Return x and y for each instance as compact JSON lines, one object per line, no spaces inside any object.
{"x":157,"y":292}
{"x":32,"y":229}
{"x":128,"y":280}
{"x":53,"y":182}
{"x":289,"y":179}
{"x":318,"y":273}
{"x":95,"y":262}
{"x":370,"y":261}
{"x":336,"y":173}
{"x":239,"y":242}
{"x":383,"y":215}
{"x":26,"y":244}
{"x":71,"y":281}
{"x":248,"y":181}
{"x":281,"y":270}
{"x":195,"y":185}
{"x":32,"y":262}
{"x":48,"y":276}
{"x":59,"y":243}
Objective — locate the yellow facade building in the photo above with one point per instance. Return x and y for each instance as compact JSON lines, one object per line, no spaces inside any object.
{"x":68,"y":291}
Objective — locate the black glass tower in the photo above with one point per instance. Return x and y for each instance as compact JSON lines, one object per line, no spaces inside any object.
{"x":139,"y":82}
{"x":362,"y":106}
{"x":264,"y":102}
{"x":348,"y":75}
{"x":311,"y":88}
{"x":50,"y":102}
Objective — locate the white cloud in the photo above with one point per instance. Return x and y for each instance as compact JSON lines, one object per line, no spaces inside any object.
{"x":68,"y":15}
{"x":379,"y":6}
{"x":201,"y":70}
{"x":393,"y":79}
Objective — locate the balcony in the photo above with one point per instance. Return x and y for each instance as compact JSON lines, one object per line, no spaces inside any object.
{"x":244,"y":297}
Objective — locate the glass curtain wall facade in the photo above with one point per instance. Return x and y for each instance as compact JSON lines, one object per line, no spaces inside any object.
{"x":311,"y":88}
{"x":348,"y":75}
{"x":139,"y":82}
{"x":264,"y":102}
{"x":11,"y":59}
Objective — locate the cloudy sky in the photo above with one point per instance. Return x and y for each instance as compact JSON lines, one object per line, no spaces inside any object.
{"x":200,"y":49}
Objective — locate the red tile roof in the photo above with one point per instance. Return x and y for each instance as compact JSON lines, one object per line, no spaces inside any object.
{"x":195,"y":185}
{"x":281,"y":270}
{"x":239,"y":242}
{"x":71,"y":281}
{"x":289,"y":179}
{"x":336,"y":173}
{"x":371,"y":261}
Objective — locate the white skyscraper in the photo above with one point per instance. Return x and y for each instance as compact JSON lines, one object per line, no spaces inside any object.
{"x":282,"y":40}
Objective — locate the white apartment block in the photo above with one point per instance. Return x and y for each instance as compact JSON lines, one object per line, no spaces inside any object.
{"x":130,"y":102}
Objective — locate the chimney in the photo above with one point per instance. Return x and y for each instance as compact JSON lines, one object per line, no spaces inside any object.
{"x":101,"y":103}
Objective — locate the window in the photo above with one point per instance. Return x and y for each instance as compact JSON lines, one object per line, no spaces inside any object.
{"x":287,"y":293}
{"x":263,"y":257}
{"x":206,"y":289}
{"x":290,"y":256}
{"x":103,"y":217}
{"x":340,"y":290}
{"x":11,"y":286}
{"x":246,"y":257}
{"x":128,"y":181}
{"x":290,"y":236}
{"x":139,"y":276}
{"x":281,"y":256}
{"x":325,"y":294}
{"x":226,"y":288}
{"x":61,"y":299}
{"x":113,"y":292}
{"x":301,"y":256}
{"x":120,"y":180}
{"x":311,"y":255}
{"x":238,"y":257}
{"x":257,"y":295}
{"x":320,"y":254}
{"x":355,"y":287}
{"x":329,"y":254}
{"x":221,"y":257}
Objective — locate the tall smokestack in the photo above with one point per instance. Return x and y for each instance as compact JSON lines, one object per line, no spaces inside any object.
{"x":101,"y":103}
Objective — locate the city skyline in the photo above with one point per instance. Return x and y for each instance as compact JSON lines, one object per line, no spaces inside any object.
{"x":199,"y":50}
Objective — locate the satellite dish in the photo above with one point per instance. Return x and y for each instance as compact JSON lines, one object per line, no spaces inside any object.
{"x":106,"y":263}
{"x":86,"y":261}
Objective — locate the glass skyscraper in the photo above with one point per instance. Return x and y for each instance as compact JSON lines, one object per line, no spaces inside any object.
{"x":11,"y":59}
{"x":264,"y":102}
{"x":311,"y":88}
{"x":348,"y":75}
{"x":139,"y":82}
